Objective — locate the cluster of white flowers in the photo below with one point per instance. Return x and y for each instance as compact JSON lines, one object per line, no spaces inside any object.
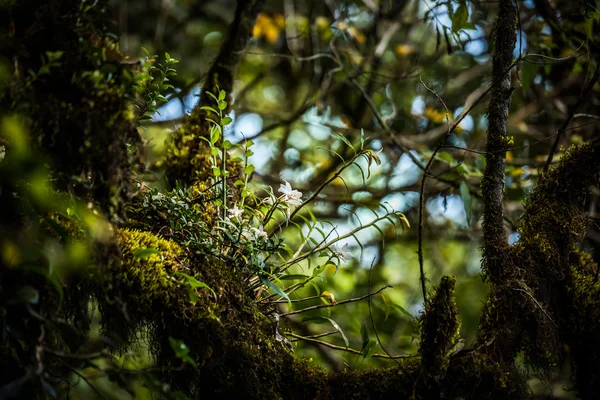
{"x":288,"y":199}
{"x":253,"y":233}
{"x":290,"y":196}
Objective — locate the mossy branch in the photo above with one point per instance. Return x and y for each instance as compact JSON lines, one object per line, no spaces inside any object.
{"x":492,"y":185}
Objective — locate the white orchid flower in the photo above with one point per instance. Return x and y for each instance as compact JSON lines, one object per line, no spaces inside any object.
{"x":342,"y":253}
{"x":235,"y":212}
{"x":290,"y":196}
{"x":259,"y":232}
{"x":246,"y":234}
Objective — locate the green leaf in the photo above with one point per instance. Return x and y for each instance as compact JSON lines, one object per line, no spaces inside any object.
{"x":145,"y":253}
{"x":333,"y":323}
{"x":222,"y":105}
{"x":227,"y":144}
{"x":216,"y":172}
{"x":212,"y":95}
{"x":214,"y":136}
{"x":403,"y":310}
{"x":209,"y":108}
{"x":364,"y":334}
{"x":226,"y":121}
{"x":195,"y":283}
{"x":167,"y":56}
{"x":346,"y":141}
{"x":142,"y":77}
{"x":337,"y":327}
{"x":182,"y":351}
{"x":445,"y":156}
{"x":292,"y":277}
{"x":386,"y":306}
{"x":465,"y":194}
{"x":274,"y":288}
{"x":460,"y":17}
{"x":222,"y":95}
{"x":249,"y":169}
{"x":368,"y":348}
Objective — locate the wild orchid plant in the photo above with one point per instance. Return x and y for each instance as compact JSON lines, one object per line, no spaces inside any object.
{"x":249,"y":228}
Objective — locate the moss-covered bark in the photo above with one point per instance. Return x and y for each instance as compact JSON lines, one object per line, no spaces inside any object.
{"x":492,"y":185}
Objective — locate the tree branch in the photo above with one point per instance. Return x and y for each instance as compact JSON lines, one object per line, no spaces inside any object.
{"x":492,"y":186}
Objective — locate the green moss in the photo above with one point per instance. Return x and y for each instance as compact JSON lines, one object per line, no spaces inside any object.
{"x":440,"y":329}
{"x":150,"y":276}
{"x":134,"y":283}
{"x":479,"y":375}
{"x":188,"y":160}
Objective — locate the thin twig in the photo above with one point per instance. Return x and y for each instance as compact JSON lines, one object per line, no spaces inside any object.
{"x":80,"y":356}
{"x":337,"y":303}
{"x":538,"y":304}
{"x":346,"y":349}
{"x":298,"y":300}
{"x":315,"y":336}
{"x":373,"y":321}
{"x":422,"y":189}
{"x":86,"y":380}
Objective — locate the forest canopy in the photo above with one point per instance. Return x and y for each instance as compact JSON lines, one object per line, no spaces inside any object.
{"x":281,"y":199}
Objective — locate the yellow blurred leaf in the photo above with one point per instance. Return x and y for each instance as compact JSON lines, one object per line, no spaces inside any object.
{"x":405,"y":49}
{"x":279,"y":20}
{"x":268,"y":27}
{"x":436,"y":116}
{"x":516,"y":172}
{"x":271,"y":33}
{"x":322,"y":22}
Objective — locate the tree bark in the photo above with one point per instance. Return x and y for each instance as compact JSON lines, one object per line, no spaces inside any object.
{"x":492,"y":186}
